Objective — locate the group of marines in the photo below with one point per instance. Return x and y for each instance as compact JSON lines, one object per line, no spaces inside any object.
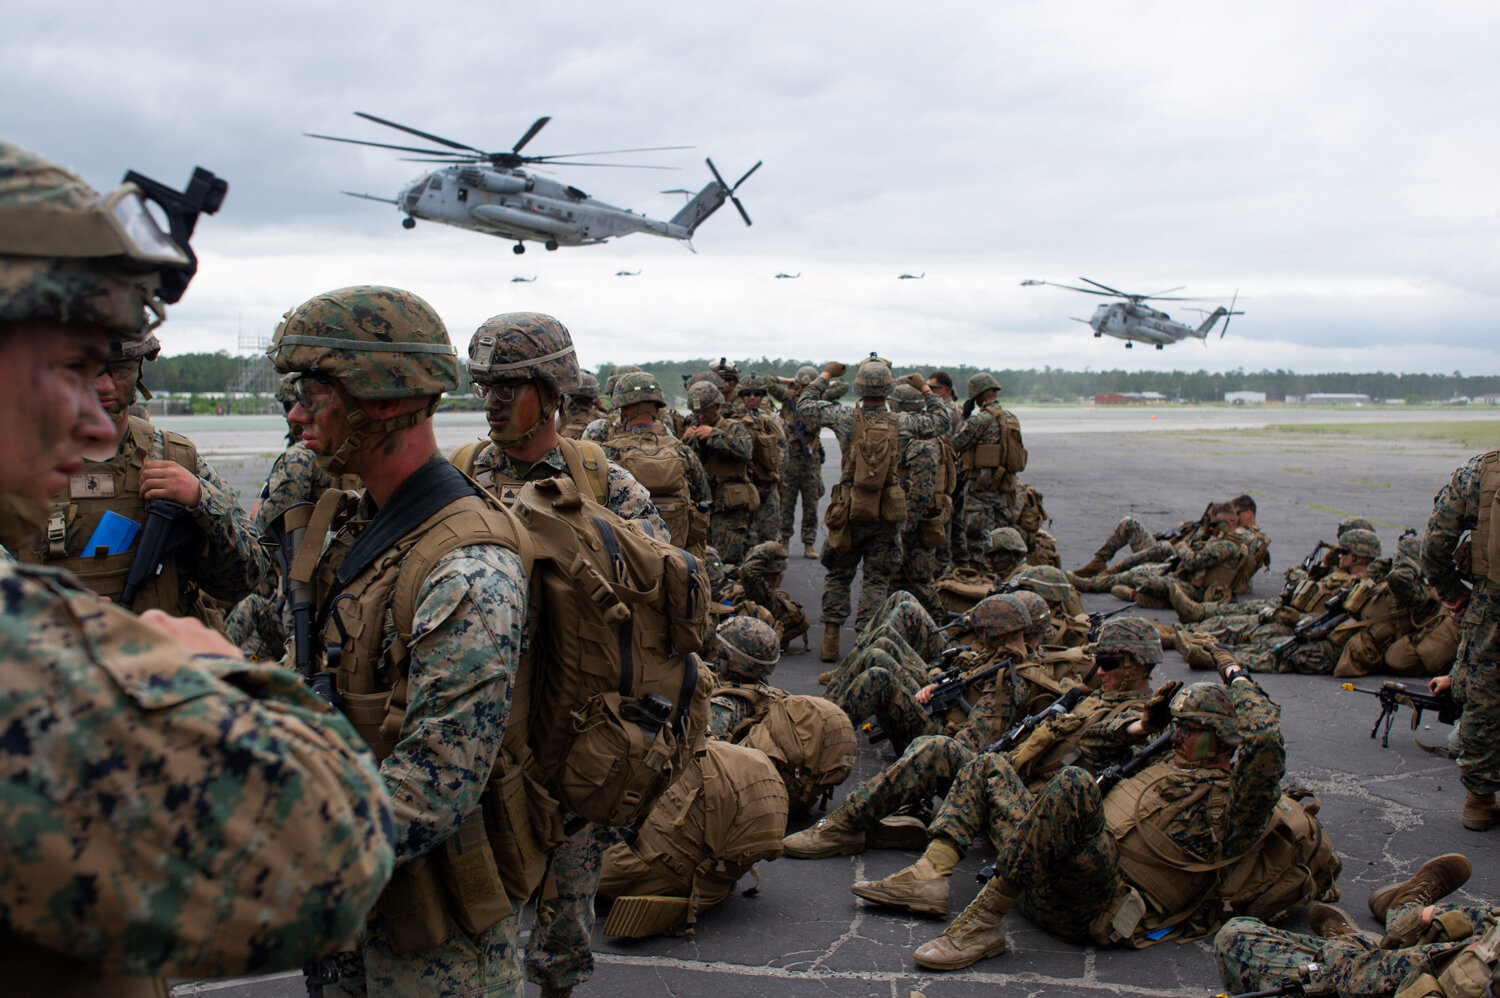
{"x":178,"y":808}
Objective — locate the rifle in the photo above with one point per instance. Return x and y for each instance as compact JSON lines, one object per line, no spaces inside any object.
{"x":1097,"y":619}
{"x":168,"y":527}
{"x":287,"y":533}
{"x":1308,"y":981}
{"x":1318,"y":626}
{"x":1064,"y":704}
{"x":951,"y":684}
{"x":875,"y":733}
{"x":1180,"y":531}
{"x":958,"y":620}
{"x":1312,"y":562}
{"x":1393,"y":694}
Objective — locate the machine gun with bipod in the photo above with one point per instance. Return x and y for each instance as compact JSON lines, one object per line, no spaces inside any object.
{"x":1393,"y":695}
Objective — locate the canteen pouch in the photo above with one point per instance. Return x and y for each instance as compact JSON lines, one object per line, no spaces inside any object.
{"x":514,"y":803}
{"x":412,"y":906}
{"x":836,"y":519}
{"x":1120,"y":919}
{"x":616,"y":767}
{"x":893,"y":504}
{"x":470,"y":877}
{"x":934,"y":525}
{"x":739,"y":495}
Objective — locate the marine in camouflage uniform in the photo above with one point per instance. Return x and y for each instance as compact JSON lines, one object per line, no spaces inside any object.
{"x":764,"y":423}
{"x":366,"y":407}
{"x":171,"y":809}
{"x":1144,"y":546}
{"x":518,"y":355}
{"x":748,"y":651}
{"x":1062,"y":865}
{"x":1467,"y":502}
{"x":580,"y":408}
{"x":803,"y":476}
{"x":761,"y":573}
{"x":725,"y":448}
{"x":1205,"y":571}
{"x":873,"y":545}
{"x":922,"y":464}
{"x":991,"y":496}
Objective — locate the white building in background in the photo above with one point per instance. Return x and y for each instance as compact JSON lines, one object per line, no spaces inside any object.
{"x":1245,"y":398}
{"x":1336,"y":398}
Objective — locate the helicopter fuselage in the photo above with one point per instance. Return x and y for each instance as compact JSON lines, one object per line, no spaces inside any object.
{"x":516,"y":205}
{"x":1136,"y":322}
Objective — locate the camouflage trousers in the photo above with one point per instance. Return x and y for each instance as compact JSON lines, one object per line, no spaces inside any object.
{"x":1311,"y":658}
{"x":878,"y":547}
{"x":901,"y":628}
{"x":765,"y":522}
{"x":887,"y":652}
{"x":557,"y":954}
{"x":925,"y":770}
{"x":462,"y":965}
{"x":1239,"y":629}
{"x":1135,"y":578}
{"x":802,"y":478}
{"x":982,"y":799}
{"x":728,"y":530}
{"x":1254,"y":956}
{"x":955,"y":550}
{"x":918,"y":570}
{"x":1061,"y":853}
{"x":985,"y":510}
{"x":1143,"y":546}
{"x":1476,"y":684}
{"x":888,"y":694}
{"x":254,"y":627}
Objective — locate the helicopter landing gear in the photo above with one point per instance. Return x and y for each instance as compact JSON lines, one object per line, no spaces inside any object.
{"x":551,"y":244}
{"x":1159,"y":346}
{"x":518,"y":249}
{"x":1098,"y":336}
{"x":408,"y":223}
{"x":1128,"y":344}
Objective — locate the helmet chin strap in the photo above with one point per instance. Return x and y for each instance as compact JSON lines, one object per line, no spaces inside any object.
{"x":362,"y":428}
{"x":513,"y":436}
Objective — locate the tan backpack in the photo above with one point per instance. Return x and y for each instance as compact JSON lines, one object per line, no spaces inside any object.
{"x":765,"y":458}
{"x":810,"y":739}
{"x":656,"y":461}
{"x":872,"y":468}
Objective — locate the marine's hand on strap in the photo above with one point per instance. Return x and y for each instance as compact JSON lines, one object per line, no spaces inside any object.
{"x":170,"y":480}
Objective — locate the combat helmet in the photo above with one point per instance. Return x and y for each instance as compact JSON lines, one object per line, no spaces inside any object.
{"x":1133,"y":636}
{"x":981,"y":383}
{"x":689,"y":380}
{"x":138,"y":351}
{"x":748,"y":647}
{"x":1360,"y":543}
{"x":1349,"y":523}
{"x":806,"y":374}
{"x":727,"y":371}
{"x":1208,"y":704}
{"x":907,"y":398}
{"x":872,"y":381}
{"x":1409,"y":545}
{"x":1000,"y":614}
{"x":588,"y":387}
{"x":1050,"y":583}
{"x":286,"y":391}
{"x":702,"y":394}
{"x":754,"y":382}
{"x":67,"y":254}
{"x":637,"y":386}
{"x":1004,"y":539}
{"x":616,"y":375}
{"x":372,"y":342}
{"x":875,"y":358}
{"x":1039,"y":612}
{"x":524,"y":346}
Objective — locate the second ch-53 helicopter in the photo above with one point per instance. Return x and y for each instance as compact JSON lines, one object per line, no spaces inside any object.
{"x":489,"y":192}
{"x":1130,"y":320}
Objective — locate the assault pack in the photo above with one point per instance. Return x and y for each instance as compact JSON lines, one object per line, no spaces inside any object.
{"x":655,"y":460}
{"x":991,"y":465}
{"x":872,"y":468}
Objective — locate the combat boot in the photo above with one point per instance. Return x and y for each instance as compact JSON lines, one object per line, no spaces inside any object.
{"x":1479,"y":812}
{"x":835,"y":835}
{"x":1329,"y":921}
{"x":899,"y":831}
{"x":830,"y":642}
{"x":1123,"y":592}
{"x":1093,"y":566}
{"x":808,"y":551}
{"x":1434,"y":879}
{"x":919,"y":887}
{"x":976,"y":934}
{"x":1189,"y":610}
{"x":824,"y":678}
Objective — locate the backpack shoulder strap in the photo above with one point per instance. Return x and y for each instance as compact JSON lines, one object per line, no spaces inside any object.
{"x":180,"y":450}
{"x":463,"y":456}
{"x":587,"y":463}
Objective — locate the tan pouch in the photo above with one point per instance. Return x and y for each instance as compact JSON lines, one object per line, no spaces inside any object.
{"x":988,"y":455}
{"x":615,"y":768}
{"x":1439,"y":646}
{"x":412,"y":906}
{"x":1118,"y":920}
{"x":366,"y":711}
{"x":893,"y":504}
{"x":739,"y":495}
{"x":470,"y":877}
{"x":524,"y":825}
{"x":865,"y":504}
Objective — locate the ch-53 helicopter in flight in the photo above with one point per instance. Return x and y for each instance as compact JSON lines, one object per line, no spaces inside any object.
{"x":1130,"y":320}
{"x":784,"y":276}
{"x":489,"y":192}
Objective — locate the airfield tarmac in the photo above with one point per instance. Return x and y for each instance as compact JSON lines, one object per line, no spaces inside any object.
{"x":1386,"y":810}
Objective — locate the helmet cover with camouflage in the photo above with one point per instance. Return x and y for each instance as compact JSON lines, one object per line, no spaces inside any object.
{"x":906,"y":397}
{"x":138,"y":351}
{"x":636,"y":386}
{"x":1360,"y":543}
{"x":690,"y":380}
{"x":59,"y":258}
{"x":806,"y":374}
{"x":373,"y":342}
{"x":1050,"y":583}
{"x":1208,"y":704}
{"x":727,"y":370}
{"x":1133,"y":636}
{"x":588,"y":387}
{"x":716,"y":575}
{"x":1039,"y":612}
{"x":754,"y":382}
{"x":616,"y":375}
{"x":1354,"y":523}
{"x":748,"y":647}
{"x":286,"y":390}
{"x":1000,"y":614}
{"x":1005,"y":539}
{"x":701,"y":395}
{"x":981,"y":383}
{"x":872,"y":381}
{"x":875,"y":358}
{"x":1409,"y":545}
{"x":525,"y":346}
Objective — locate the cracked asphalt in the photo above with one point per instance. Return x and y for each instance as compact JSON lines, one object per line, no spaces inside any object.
{"x":802,"y":933}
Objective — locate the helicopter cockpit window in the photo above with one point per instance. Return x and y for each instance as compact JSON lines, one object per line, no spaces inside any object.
{"x":463,"y":194}
{"x":435,"y":184}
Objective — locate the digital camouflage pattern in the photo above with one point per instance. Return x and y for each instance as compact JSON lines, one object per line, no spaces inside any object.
{"x":254,"y":626}
{"x":1253,"y":956}
{"x":627,"y":499}
{"x":524,"y":346}
{"x":803,"y":475}
{"x":1143,"y":545}
{"x":85,"y":290}
{"x":397,"y":347}
{"x":558,"y":954}
{"x":637,"y":387}
{"x":1133,"y":636}
{"x":986,"y":504}
{"x":727,"y":441}
{"x":922,"y":464}
{"x":761,"y":572}
{"x":903,"y":628}
{"x":295,"y":478}
{"x":748,"y":648}
{"x":1476,"y":673}
{"x":166,"y":813}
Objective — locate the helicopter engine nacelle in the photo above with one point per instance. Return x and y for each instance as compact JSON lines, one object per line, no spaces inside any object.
{"x":495,"y":183}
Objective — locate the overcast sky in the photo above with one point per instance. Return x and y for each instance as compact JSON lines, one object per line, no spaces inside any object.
{"x":1334,"y":162}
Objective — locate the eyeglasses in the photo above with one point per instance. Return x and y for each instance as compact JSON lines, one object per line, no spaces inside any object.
{"x":119,"y":370}
{"x":503,"y":391}
{"x":313,"y":391}
{"x":1109,"y":663}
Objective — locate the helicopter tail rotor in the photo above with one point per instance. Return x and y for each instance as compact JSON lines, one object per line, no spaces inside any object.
{"x":1232,"y":313}
{"x":729,"y":191}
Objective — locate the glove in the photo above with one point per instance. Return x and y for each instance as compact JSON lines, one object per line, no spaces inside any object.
{"x":914,"y":379}
{"x":1158,"y":712}
{"x":834,"y":369}
{"x":968,"y":408}
{"x":1225,"y":663}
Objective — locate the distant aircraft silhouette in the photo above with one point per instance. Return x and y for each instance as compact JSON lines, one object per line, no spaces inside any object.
{"x":912,"y":277}
{"x":522,"y":280}
{"x":626,"y":273}
{"x":788,"y":277}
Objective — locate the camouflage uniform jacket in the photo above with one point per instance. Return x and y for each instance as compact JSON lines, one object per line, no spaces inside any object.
{"x":1099,"y":721}
{"x":1210,"y":555}
{"x":728,"y":440}
{"x":801,"y":439}
{"x":727,"y":712}
{"x":921,"y":462}
{"x":1455,"y":509}
{"x":172,"y":813}
{"x":840,"y":418}
{"x":294,"y":478}
{"x":628,"y":499}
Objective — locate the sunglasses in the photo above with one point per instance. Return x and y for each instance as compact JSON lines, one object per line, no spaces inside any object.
{"x":753,"y":394}
{"x":1109,"y":663}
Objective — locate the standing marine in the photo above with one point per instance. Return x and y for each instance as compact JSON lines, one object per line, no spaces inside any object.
{"x":803,"y":477}
{"x":991,"y":453}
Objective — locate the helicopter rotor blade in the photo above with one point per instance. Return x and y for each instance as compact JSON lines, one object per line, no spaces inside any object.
{"x":620,"y":166}
{"x":745,"y":178}
{"x":406,"y":128}
{"x":715,"y":171}
{"x":536,"y":126}
{"x":1168,"y":291}
{"x":1230,"y":315}
{"x":1031,"y":282}
{"x":740,"y":207}
{"x":1106,"y":287}
{"x":379,"y":145}
{"x":607,"y":152}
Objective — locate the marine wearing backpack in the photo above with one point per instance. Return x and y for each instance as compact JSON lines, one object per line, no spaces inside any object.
{"x":991,"y":454}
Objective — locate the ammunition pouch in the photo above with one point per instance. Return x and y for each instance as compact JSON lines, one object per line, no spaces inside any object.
{"x":616,"y":766}
{"x":738,"y":495}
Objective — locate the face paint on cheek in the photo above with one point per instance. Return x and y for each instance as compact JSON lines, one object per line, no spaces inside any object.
{"x":1195,"y":746}
{"x":526,"y":409}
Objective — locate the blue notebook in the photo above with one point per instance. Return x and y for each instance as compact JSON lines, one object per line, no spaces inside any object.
{"x":113,"y":535}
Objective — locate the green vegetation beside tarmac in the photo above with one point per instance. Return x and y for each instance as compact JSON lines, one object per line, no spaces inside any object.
{"x":1476,"y":435}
